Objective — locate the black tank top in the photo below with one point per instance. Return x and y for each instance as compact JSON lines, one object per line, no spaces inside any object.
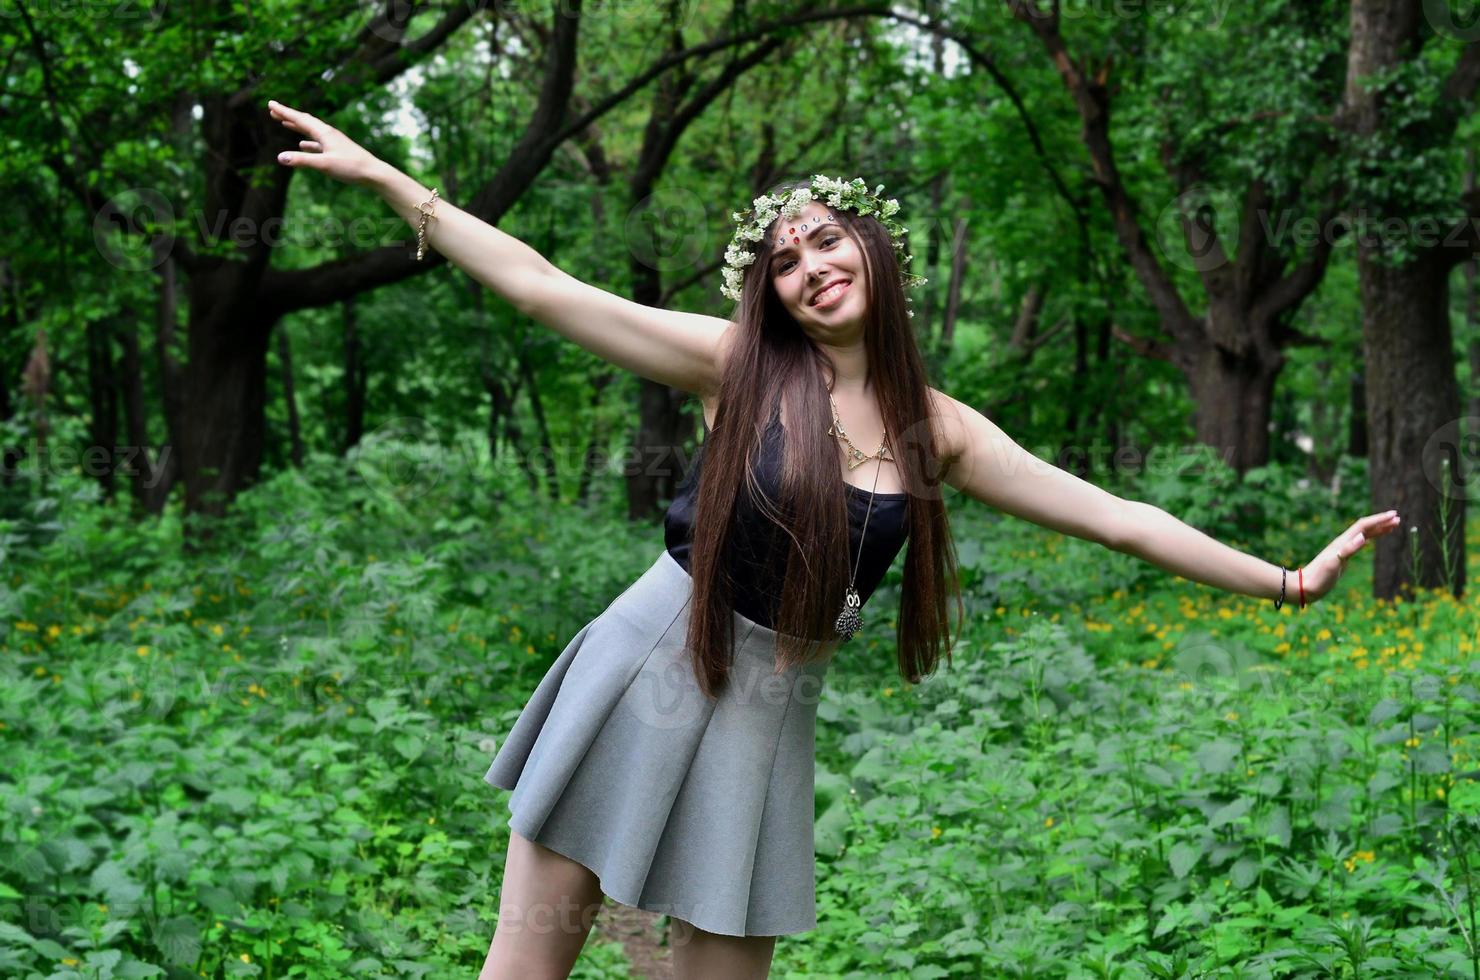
{"x":759,"y":546}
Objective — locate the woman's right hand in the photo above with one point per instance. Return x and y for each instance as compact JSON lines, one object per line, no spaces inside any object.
{"x":326,"y":149}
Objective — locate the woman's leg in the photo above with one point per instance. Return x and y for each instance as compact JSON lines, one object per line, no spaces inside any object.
{"x":700,"y":955}
{"x":546,"y":908}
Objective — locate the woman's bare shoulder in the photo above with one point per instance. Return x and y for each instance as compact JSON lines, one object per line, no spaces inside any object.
{"x":945,"y":413}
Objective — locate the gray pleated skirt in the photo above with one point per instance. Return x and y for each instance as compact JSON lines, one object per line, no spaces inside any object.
{"x":696,"y":808}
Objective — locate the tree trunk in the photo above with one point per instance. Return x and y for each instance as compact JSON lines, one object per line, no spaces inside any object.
{"x":536,"y":406}
{"x":149,"y":478}
{"x":36,"y":387}
{"x":1472,"y":314}
{"x":1412,"y":399}
{"x":9,"y":327}
{"x":1472,"y":329}
{"x":662,"y":429}
{"x":1413,"y":414}
{"x":10,"y":456}
{"x":290,"y":399}
{"x":226,"y":389}
{"x":925,"y":319}
{"x":592,"y":458}
{"x":354,"y":375}
{"x":1356,"y":433}
{"x":1233,"y":399}
{"x":953,"y":297}
{"x":1072,"y":454}
{"x":171,"y":374}
{"x":1025,"y":327}
{"x":98,"y":459}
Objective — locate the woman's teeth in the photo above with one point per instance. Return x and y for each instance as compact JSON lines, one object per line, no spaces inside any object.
{"x":832,"y":291}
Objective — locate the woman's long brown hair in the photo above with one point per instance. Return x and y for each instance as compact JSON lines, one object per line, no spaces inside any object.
{"x":772,"y":358}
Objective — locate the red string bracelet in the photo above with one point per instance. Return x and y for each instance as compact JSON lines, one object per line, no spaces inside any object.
{"x":1301,"y":576}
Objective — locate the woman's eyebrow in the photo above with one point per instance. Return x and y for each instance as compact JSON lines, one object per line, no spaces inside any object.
{"x":815,"y":229}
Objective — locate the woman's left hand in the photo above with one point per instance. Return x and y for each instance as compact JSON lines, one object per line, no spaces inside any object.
{"x":1324,"y":570}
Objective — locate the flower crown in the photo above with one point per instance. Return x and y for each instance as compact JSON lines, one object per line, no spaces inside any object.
{"x":852,"y":195}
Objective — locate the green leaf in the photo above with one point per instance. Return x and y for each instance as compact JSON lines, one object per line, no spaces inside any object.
{"x":112,"y":881}
{"x":238,"y":799}
{"x":15,"y":935}
{"x":830,"y":831}
{"x":1183,"y":858}
{"x":1277,"y":825}
{"x":1245,"y":872}
{"x":1233,"y":811}
{"x":409,"y":746}
{"x":179,"y":939}
{"x":1217,"y":756}
{"x":1383,"y":710}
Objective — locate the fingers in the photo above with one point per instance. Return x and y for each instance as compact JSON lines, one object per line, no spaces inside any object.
{"x":1375,"y":524}
{"x":313,"y":161}
{"x":292,"y":118}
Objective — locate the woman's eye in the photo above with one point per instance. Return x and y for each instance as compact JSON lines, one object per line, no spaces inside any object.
{"x":786,"y":263}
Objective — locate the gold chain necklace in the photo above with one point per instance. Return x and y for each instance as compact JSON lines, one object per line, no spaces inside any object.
{"x":856,"y":456}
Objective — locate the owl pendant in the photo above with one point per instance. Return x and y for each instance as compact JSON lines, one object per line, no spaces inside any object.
{"x":849,"y":621}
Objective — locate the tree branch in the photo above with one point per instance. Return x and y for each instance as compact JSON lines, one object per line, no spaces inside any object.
{"x":1145,"y":346}
{"x":335,"y":280}
{"x":1093,"y":102}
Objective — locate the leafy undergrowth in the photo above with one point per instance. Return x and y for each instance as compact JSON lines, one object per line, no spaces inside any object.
{"x":1145,"y":777}
{"x":264,"y":756}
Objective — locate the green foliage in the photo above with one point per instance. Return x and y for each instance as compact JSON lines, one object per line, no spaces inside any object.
{"x":265,"y":759}
{"x":1262,"y":796}
{"x":272,"y":748}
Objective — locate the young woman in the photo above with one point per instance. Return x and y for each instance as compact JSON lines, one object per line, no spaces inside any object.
{"x":666,"y":757}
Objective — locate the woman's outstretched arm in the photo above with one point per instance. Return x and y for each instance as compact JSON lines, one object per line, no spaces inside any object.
{"x":668,"y":346}
{"x":989,"y":466}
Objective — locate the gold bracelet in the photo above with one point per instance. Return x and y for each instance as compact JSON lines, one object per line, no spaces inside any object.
{"x":421,"y":227}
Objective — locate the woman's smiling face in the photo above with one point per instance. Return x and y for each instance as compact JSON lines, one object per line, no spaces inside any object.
{"x":818,"y":272}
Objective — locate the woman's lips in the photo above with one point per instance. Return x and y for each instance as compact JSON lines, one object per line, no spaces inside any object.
{"x":831,"y":296}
